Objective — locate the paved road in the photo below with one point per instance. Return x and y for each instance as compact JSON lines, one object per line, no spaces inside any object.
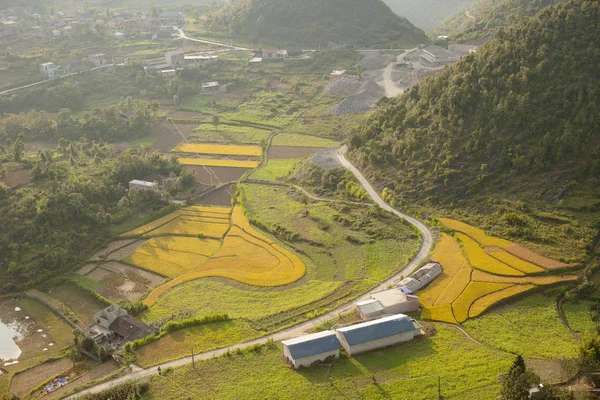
{"x":299,"y":329}
{"x":182,"y":35}
{"x":391,"y":89}
{"x":50,"y":80}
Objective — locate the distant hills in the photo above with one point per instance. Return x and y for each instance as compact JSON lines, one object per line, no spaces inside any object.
{"x":308,"y":23}
{"x":487,"y":16}
{"x":428,"y":14}
{"x":518,"y":121}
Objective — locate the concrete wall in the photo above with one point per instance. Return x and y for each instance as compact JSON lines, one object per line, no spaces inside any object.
{"x":308,"y":361}
{"x":402,"y":308}
{"x":376,"y":344}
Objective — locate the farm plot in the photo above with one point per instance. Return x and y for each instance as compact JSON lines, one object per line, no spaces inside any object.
{"x":215,"y":162}
{"x":230,"y":134}
{"x":81,"y":303}
{"x":298,"y":140}
{"x":221,"y":197}
{"x":273,"y":170}
{"x":219,"y":149}
{"x":578,"y":315}
{"x":505,"y":251}
{"x":284,"y":152}
{"x":472,"y":281}
{"x":245,"y":255}
{"x":26,"y":380}
{"x":213,"y":176}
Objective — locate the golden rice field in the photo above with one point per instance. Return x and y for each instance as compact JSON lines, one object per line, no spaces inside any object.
{"x":151,"y":226}
{"x":213,"y":162}
{"x":184,"y":226}
{"x":219,"y":149}
{"x":476,"y":233}
{"x":479,"y":259}
{"x":244,"y":255}
{"x":473,"y":280}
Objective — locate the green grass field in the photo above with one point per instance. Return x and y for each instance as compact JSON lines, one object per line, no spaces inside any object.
{"x":224,"y":133}
{"x":530,"y":327}
{"x":578,"y":315}
{"x":200,"y":338}
{"x":407,"y":371}
{"x":274,"y":170}
{"x":297,"y":140}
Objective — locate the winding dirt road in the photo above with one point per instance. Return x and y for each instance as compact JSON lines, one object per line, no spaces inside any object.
{"x":391,"y":89}
{"x":297,"y":330}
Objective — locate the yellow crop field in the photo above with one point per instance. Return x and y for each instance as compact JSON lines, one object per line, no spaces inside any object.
{"x":214,"y":162}
{"x":205,"y":246}
{"x":221,"y":149}
{"x":192,"y":228}
{"x":474,"y":291}
{"x":152,"y":225}
{"x":534,"y":258}
{"x":441,"y":313}
{"x":479,"y":259}
{"x":516,"y":262}
{"x":536,"y":280}
{"x":207,"y":209}
{"x":476,"y":233}
{"x":245,"y":255}
{"x":449,"y":254}
{"x":455,"y":287}
{"x":153,"y":263}
{"x":483,"y":303}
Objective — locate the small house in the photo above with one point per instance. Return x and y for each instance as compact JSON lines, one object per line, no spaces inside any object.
{"x":269,"y":54}
{"x":105,"y":317}
{"x":48,"y":70}
{"x":335,"y":75}
{"x":424,"y":276}
{"x":370,"y":309}
{"x":305,"y":350}
{"x":128,"y":328}
{"x":143,"y":185}
{"x":97,"y":60}
{"x":211,"y":87}
{"x":378,"y":333}
{"x":256,"y":60}
{"x":171,"y":18}
{"x":395,"y":301}
{"x":175,"y":59}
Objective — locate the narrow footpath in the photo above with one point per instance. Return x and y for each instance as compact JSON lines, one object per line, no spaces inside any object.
{"x":297,"y":330}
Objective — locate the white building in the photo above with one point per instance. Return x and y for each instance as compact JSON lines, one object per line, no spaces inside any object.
{"x":211,"y":87}
{"x":168,"y":74}
{"x":48,"y":70}
{"x":378,"y":333}
{"x":194,"y":60}
{"x":104,"y":318}
{"x":424,"y":276}
{"x":436,"y":56}
{"x":335,"y":75}
{"x":143,"y":185}
{"x":395,"y":301}
{"x":370,"y":309}
{"x":98,"y":60}
{"x":305,"y":350}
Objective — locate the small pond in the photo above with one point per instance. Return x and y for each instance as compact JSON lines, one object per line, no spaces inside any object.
{"x":9,"y":333}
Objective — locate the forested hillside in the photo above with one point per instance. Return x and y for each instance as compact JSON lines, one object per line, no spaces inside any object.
{"x":510,"y":132}
{"x":365,"y":23}
{"x":487,"y":16}
{"x":428,"y":14}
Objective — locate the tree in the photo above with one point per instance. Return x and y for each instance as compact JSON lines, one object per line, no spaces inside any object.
{"x":216,"y":121}
{"x":516,"y":385}
{"x":18,"y":148}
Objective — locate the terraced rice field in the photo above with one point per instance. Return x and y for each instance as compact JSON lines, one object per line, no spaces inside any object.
{"x":213,"y":162}
{"x":474,"y":279}
{"x":219,"y":149}
{"x":232,"y":250}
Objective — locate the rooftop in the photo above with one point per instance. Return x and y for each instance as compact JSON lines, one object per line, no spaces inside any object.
{"x":377,"y":329}
{"x":390,"y":297}
{"x":142,"y":183}
{"x":169,"y":14}
{"x":310,"y":345}
{"x":342,"y":72}
{"x":210,"y":84}
{"x":369,"y":306}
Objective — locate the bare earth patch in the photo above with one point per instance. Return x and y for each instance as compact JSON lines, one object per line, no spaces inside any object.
{"x":16,"y":178}
{"x":112,"y":246}
{"x":214,"y":176}
{"x":23,"y":382}
{"x":167,"y":137}
{"x":135,"y":274}
{"x":96,"y":373}
{"x":188,"y":116}
{"x":125,"y":251}
{"x":221,"y":197}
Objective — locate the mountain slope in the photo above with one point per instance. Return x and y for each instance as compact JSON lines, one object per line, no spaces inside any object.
{"x":488,"y":16}
{"x":428,"y":14}
{"x":365,"y":23}
{"x":517,"y":121}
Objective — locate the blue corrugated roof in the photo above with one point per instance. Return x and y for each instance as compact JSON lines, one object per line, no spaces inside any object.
{"x":311,"y":345}
{"x":377,"y":329}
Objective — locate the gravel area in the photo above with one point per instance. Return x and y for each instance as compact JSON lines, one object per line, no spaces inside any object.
{"x":360,"y":102}
{"x":327,"y":159}
{"x":375,"y":60}
{"x":346,"y":86}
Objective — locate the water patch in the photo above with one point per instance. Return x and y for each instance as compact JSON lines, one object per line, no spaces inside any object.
{"x":9,"y":333}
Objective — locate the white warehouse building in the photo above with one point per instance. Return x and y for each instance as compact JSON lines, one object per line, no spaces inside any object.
{"x":143,"y":185}
{"x":305,"y":350}
{"x":378,"y":333}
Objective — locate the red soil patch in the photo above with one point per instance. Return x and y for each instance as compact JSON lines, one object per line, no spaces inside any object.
{"x":281,"y":152}
{"x":16,"y":178}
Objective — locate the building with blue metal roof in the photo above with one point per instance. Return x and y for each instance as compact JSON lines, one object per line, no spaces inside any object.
{"x":306,"y":350}
{"x":377,"y":334}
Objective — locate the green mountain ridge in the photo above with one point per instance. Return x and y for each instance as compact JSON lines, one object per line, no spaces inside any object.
{"x":365,"y":23}
{"x":428,"y":14}
{"x":487,"y":16}
{"x":510,"y":129}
